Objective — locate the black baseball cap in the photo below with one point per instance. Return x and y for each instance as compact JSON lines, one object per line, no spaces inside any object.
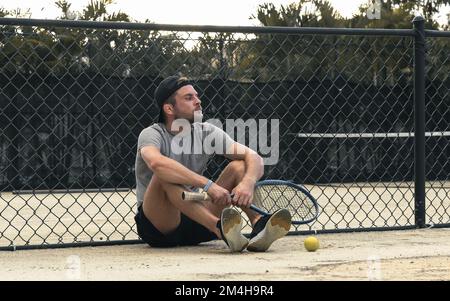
{"x":166,"y":88}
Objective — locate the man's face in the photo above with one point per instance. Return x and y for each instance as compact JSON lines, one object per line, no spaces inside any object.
{"x":187,"y":102}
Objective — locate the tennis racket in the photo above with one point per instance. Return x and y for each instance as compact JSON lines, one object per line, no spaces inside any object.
{"x":273,"y":195}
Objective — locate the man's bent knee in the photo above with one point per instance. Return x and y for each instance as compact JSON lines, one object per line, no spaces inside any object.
{"x":232,"y":174}
{"x":158,"y":209}
{"x":156,"y":181}
{"x":237,"y":166}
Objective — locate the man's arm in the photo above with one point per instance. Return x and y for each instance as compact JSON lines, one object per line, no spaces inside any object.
{"x":170,"y":170}
{"x":254,"y":170}
{"x":173,"y":172}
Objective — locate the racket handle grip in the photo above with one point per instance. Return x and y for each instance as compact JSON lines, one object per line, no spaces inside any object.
{"x":203,"y":196}
{"x":195,"y":196}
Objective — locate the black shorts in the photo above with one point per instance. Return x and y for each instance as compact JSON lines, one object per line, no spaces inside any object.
{"x":188,"y":232}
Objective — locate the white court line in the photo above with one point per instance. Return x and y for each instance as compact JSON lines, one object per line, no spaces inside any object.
{"x":369,"y":135}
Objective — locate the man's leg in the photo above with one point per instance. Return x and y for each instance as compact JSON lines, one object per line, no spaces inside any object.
{"x":266,"y":229}
{"x":228,"y":179}
{"x":162,"y":202}
{"x":163,"y":206}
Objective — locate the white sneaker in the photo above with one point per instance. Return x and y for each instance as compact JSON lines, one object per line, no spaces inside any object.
{"x":268,"y":229}
{"x":230,"y":226}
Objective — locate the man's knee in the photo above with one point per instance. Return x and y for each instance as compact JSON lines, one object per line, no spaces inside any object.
{"x":156,"y":189}
{"x":156,"y":181}
{"x":237,"y":167}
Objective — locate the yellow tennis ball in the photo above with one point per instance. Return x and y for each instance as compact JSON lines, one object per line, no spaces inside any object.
{"x":311,"y":244}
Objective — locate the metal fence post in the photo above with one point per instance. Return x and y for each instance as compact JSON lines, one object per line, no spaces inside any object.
{"x":419,"y":121}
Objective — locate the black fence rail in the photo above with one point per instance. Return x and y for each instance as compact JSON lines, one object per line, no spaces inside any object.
{"x":357,"y":116}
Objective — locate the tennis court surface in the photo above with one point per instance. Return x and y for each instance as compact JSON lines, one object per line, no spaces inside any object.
{"x":388,"y":255}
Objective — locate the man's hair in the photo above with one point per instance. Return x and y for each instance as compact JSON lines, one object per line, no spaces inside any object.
{"x":171,"y":100}
{"x":166,"y":90}
{"x":182,"y":79}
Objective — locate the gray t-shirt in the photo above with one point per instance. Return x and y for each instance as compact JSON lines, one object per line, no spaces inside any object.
{"x":208,"y":141}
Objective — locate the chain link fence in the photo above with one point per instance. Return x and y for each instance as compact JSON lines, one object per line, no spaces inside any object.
{"x":437,"y":100}
{"x":75,"y":96}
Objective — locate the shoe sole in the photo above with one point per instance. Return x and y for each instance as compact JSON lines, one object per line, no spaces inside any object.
{"x":232,"y":226}
{"x":277,"y":227}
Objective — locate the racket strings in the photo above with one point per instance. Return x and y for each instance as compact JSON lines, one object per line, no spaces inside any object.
{"x":274,"y":197}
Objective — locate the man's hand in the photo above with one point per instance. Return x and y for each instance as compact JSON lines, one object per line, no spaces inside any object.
{"x":219,"y":195}
{"x":243,"y":193}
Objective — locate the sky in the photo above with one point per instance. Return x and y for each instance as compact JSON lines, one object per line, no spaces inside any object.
{"x":195,"y":12}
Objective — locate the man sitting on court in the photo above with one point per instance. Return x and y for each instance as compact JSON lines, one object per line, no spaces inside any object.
{"x":163,"y":219}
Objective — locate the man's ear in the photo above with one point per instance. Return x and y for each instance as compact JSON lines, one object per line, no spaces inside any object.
{"x":168,"y":108}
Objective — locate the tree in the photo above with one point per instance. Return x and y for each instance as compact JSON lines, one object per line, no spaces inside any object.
{"x":3,"y":12}
{"x":294,"y":56}
{"x":304,"y":13}
{"x":394,"y":14}
{"x":376,"y":60}
{"x":428,"y":8}
{"x":390,"y":55}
